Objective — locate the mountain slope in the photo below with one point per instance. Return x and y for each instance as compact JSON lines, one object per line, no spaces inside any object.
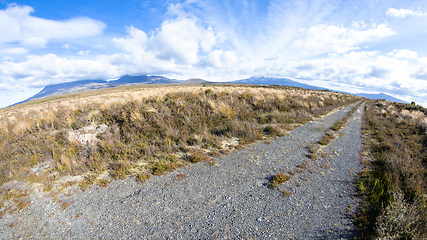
{"x":291,"y":83}
{"x":84,"y":85}
{"x":380,"y":96}
{"x":276,"y":81}
{"x":196,"y":81}
{"x":143,"y":79}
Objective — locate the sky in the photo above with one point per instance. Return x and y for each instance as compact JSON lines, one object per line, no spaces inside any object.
{"x":354,"y":46}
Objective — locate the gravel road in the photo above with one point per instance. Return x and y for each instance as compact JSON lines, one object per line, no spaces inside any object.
{"x":229,"y":200}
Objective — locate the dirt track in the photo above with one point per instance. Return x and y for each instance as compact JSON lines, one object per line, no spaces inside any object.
{"x":228,"y":200}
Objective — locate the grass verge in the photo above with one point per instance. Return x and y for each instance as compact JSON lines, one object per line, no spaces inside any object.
{"x":393,"y":185}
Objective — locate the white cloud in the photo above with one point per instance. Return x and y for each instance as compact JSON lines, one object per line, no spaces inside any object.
{"x":135,"y":41}
{"x":84,"y":53}
{"x":404,"y":53}
{"x":14,"y":51}
{"x":17,"y":25}
{"x":220,"y":58}
{"x":402,"y":13}
{"x":39,"y":71}
{"x":332,"y":39}
{"x":179,"y":41}
{"x":34,"y":42}
{"x":362,"y":71}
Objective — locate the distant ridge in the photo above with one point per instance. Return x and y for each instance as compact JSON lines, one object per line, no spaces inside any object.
{"x":292,"y":83}
{"x":143,"y":79}
{"x":276,"y":81}
{"x":380,"y":96}
{"x":84,"y":85}
{"x":196,"y":80}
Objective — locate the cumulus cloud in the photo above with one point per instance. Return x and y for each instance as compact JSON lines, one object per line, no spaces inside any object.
{"x":181,"y":40}
{"x":17,"y":25}
{"x":178,"y":42}
{"x":402,"y":13}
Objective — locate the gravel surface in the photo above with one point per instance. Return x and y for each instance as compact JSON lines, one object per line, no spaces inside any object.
{"x":229,"y":200}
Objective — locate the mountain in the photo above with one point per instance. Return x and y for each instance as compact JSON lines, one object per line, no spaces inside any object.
{"x":380,"y":96}
{"x":276,"y":81}
{"x":84,"y":85}
{"x":291,"y":83}
{"x":196,"y":80}
{"x":143,"y":79}
{"x":70,"y":87}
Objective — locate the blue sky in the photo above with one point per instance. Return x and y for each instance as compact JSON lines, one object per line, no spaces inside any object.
{"x":353,"y":46}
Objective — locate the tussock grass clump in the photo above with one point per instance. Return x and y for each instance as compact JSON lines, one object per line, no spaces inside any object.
{"x":273,"y":131}
{"x":143,"y":177}
{"x":103,"y":182}
{"x":303,"y":165}
{"x":326,"y":139}
{"x":87,"y":182}
{"x":180,"y":176}
{"x":286,"y":193}
{"x":142,"y":130}
{"x":165,"y":165}
{"x":313,"y":156}
{"x":278,"y":179}
{"x":394,"y":184}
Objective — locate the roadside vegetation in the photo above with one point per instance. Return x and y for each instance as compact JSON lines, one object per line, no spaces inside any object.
{"x":142,"y":132}
{"x":394,"y":184}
